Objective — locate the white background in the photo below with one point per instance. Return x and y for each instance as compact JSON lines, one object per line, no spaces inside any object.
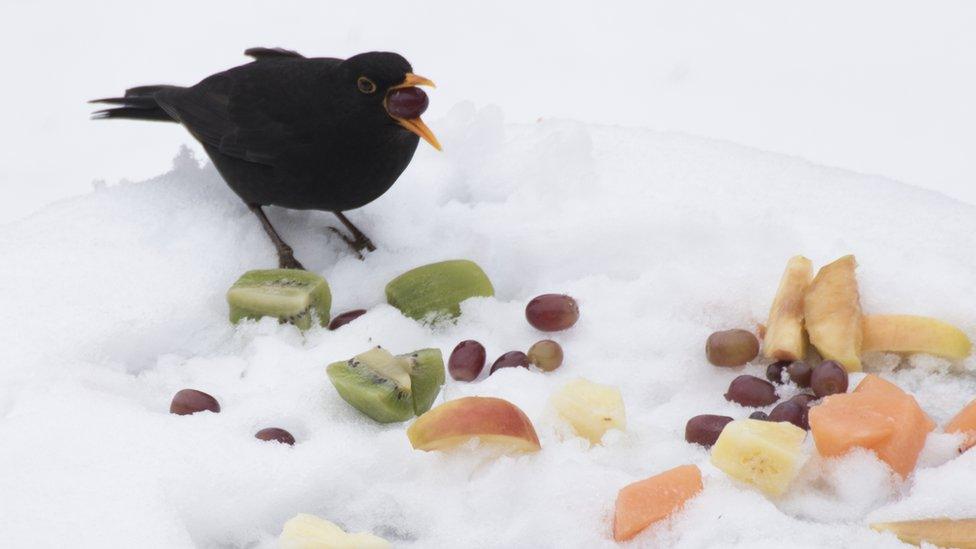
{"x":879,"y":87}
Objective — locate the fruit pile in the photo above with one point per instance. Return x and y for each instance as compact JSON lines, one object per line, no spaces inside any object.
{"x":815,"y":337}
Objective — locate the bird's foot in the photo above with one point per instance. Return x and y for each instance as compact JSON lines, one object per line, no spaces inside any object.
{"x":288,"y":261}
{"x":358,"y":245}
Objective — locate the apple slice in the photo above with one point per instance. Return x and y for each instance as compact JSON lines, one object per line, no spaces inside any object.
{"x":492,"y":420}
{"x":940,"y":532}
{"x":914,"y":334}
{"x":591,"y":408}
{"x":785,"y":338}
{"x":832,"y":308}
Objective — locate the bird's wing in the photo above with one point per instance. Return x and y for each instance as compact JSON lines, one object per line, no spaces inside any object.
{"x":271,"y":53}
{"x":246,"y":114}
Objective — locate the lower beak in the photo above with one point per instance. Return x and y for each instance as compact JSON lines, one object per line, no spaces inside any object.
{"x":416,"y":125}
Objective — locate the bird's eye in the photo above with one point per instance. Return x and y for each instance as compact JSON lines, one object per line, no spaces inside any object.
{"x":366,"y":85}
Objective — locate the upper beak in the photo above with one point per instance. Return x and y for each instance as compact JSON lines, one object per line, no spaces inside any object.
{"x":415,"y":80}
{"x":416,"y":125}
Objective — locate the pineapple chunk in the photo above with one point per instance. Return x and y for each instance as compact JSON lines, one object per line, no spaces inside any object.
{"x":591,"y":408}
{"x":785,"y":338}
{"x":832,"y":308}
{"x":305,"y":531}
{"x":765,"y":454}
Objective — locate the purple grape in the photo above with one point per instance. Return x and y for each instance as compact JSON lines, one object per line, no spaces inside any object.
{"x":774,"y":372}
{"x":829,"y":378}
{"x":793,"y":411}
{"x":345,"y":318}
{"x":805,"y":399}
{"x":705,"y":429}
{"x":552,"y":312}
{"x":799,"y":373}
{"x":467,"y":360}
{"x":731,"y":347}
{"x":760,"y":415}
{"x":751,"y":391}
{"x":191,"y":401}
{"x":511,"y":359}
{"x":274,"y":433}
{"x":406,"y":102}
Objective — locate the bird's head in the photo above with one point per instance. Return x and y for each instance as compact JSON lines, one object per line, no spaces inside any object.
{"x":384,"y":80}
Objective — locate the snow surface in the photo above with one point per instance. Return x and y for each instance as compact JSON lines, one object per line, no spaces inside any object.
{"x":115,"y":300}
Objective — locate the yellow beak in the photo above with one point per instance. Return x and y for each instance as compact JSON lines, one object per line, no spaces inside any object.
{"x":416,"y":125}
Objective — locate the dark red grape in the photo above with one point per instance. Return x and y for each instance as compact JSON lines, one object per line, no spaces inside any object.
{"x":760,"y":415}
{"x":345,"y":318}
{"x":406,"y":102}
{"x":552,"y":312}
{"x":705,"y":429}
{"x":793,"y":411}
{"x":731,"y":347}
{"x":274,"y":433}
{"x":511,"y":359}
{"x":467,"y":360}
{"x":191,"y":401}
{"x":805,"y":399}
{"x":546,"y":355}
{"x":829,"y":378}
{"x":774,"y":372}
{"x":751,"y":391}
{"x":799,"y":373}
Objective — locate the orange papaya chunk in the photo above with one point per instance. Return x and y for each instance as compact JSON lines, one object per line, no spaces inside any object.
{"x":645,"y":502}
{"x":964,"y":422}
{"x":877,"y":416}
{"x":874,"y":383}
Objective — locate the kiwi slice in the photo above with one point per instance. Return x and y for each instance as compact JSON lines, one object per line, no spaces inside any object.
{"x":426,"y":377}
{"x":389,"y":388}
{"x":291,"y":295}
{"x":437,"y":290}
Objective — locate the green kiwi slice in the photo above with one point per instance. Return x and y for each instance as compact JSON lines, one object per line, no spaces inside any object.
{"x":437,"y":290}
{"x":389,"y":388}
{"x":291,"y":295}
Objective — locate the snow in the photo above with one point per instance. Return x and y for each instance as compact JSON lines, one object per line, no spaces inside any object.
{"x":115,"y":301}
{"x":878,"y":86}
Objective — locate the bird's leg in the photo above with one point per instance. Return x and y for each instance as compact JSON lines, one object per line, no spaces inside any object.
{"x":286,"y":257}
{"x":359,"y":241}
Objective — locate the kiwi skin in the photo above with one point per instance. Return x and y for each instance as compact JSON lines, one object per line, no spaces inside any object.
{"x":296,"y":281}
{"x":426,"y":377}
{"x":437,"y":290}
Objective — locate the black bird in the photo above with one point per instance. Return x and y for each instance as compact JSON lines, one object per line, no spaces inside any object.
{"x":302,"y":133}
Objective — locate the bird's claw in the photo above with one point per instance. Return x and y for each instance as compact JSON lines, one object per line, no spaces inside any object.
{"x":357,"y":245}
{"x":289,"y":262}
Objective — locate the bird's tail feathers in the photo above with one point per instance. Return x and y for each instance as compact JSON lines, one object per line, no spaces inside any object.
{"x":137,"y":104}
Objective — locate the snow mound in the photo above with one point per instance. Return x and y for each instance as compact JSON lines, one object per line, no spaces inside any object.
{"x":115,"y":300}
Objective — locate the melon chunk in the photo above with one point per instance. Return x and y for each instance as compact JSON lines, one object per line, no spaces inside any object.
{"x":914,"y":334}
{"x":785,"y":338}
{"x":645,"y":502}
{"x":766,"y":454}
{"x":877,"y":416}
{"x":832,"y":311}
{"x":964,"y":422}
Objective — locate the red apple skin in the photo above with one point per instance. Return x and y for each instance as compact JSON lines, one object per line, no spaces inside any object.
{"x":491,"y":419}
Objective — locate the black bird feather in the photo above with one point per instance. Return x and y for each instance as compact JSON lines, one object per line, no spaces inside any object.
{"x":291,"y":131}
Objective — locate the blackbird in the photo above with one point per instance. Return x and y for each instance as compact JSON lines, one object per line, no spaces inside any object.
{"x":302,"y":133}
